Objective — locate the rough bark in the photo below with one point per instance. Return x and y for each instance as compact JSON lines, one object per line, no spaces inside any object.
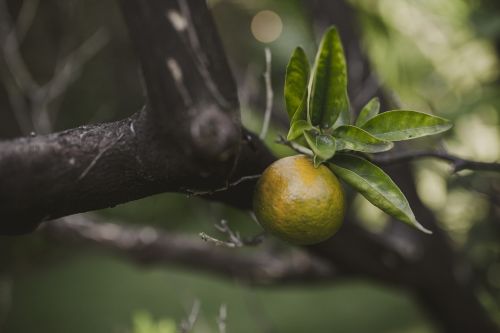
{"x":94,"y":167}
{"x":188,"y":139}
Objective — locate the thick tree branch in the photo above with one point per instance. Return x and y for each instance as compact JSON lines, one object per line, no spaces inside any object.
{"x":190,"y":88}
{"x":188,"y":140}
{"x":100,"y":166}
{"x":148,"y":246}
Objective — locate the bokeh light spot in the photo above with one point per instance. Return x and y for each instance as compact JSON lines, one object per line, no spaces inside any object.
{"x":266,"y":26}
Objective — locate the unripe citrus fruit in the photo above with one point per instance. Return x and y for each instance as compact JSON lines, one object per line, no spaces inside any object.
{"x":297,"y":202}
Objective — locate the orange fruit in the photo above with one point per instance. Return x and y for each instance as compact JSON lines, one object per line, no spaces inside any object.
{"x":299,"y":203}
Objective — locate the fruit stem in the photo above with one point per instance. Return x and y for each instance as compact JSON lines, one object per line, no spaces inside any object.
{"x":295,"y":146}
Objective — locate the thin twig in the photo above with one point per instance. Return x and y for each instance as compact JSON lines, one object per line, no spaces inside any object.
{"x":457,"y":163}
{"x":269,"y":95}
{"x":25,"y":18}
{"x":215,"y":241}
{"x":187,"y":324}
{"x":26,"y":87}
{"x":298,"y":148}
{"x":69,"y":68}
{"x":11,"y":45}
{"x":65,"y":73}
{"x":248,"y":87}
{"x":16,"y":65}
{"x":235,"y":239}
{"x":221,"y":318}
{"x":224,"y":188}
{"x":18,"y":104}
{"x":17,"y":79}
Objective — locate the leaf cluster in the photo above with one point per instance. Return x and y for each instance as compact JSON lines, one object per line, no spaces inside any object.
{"x":318,"y":107}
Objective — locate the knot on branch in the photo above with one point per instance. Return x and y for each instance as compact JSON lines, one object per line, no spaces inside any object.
{"x":215,"y":135}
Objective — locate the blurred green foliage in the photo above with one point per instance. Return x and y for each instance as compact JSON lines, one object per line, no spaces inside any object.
{"x":95,"y":293}
{"x":143,"y":323}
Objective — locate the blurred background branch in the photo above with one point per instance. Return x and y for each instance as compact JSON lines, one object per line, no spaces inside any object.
{"x":28,"y":98}
{"x":456,"y":162}
{"x":150,"y":246}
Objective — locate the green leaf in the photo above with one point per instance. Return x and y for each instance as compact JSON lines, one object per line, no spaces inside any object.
{"x":323,"y":146}
{"x":370,"y":110}
{"x":376,"y":186}
{"x":297,"y":129}
{"x":401,"y":125}
{"x":328,"y":92}
{"x":344,"y":117}
{"x":301,"y":113}
{"x":296,"y":80}
{"x":317,"y":161}
{"x":354,"y":138}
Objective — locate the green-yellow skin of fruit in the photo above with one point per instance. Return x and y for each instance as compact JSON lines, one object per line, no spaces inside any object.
{"x":299,"y":203}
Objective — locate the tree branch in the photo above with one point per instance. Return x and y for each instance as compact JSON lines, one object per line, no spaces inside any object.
{"x":457,"y":163}
{"x":296,"y":147}
{"x":405,"y":157}
{"x":234,"y":238}
{"x":186,"y":74}
{"x":93,"y":167}
{"x":148,"y":246}
{"x":269,"y":95}
{"x":189,"y":139}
